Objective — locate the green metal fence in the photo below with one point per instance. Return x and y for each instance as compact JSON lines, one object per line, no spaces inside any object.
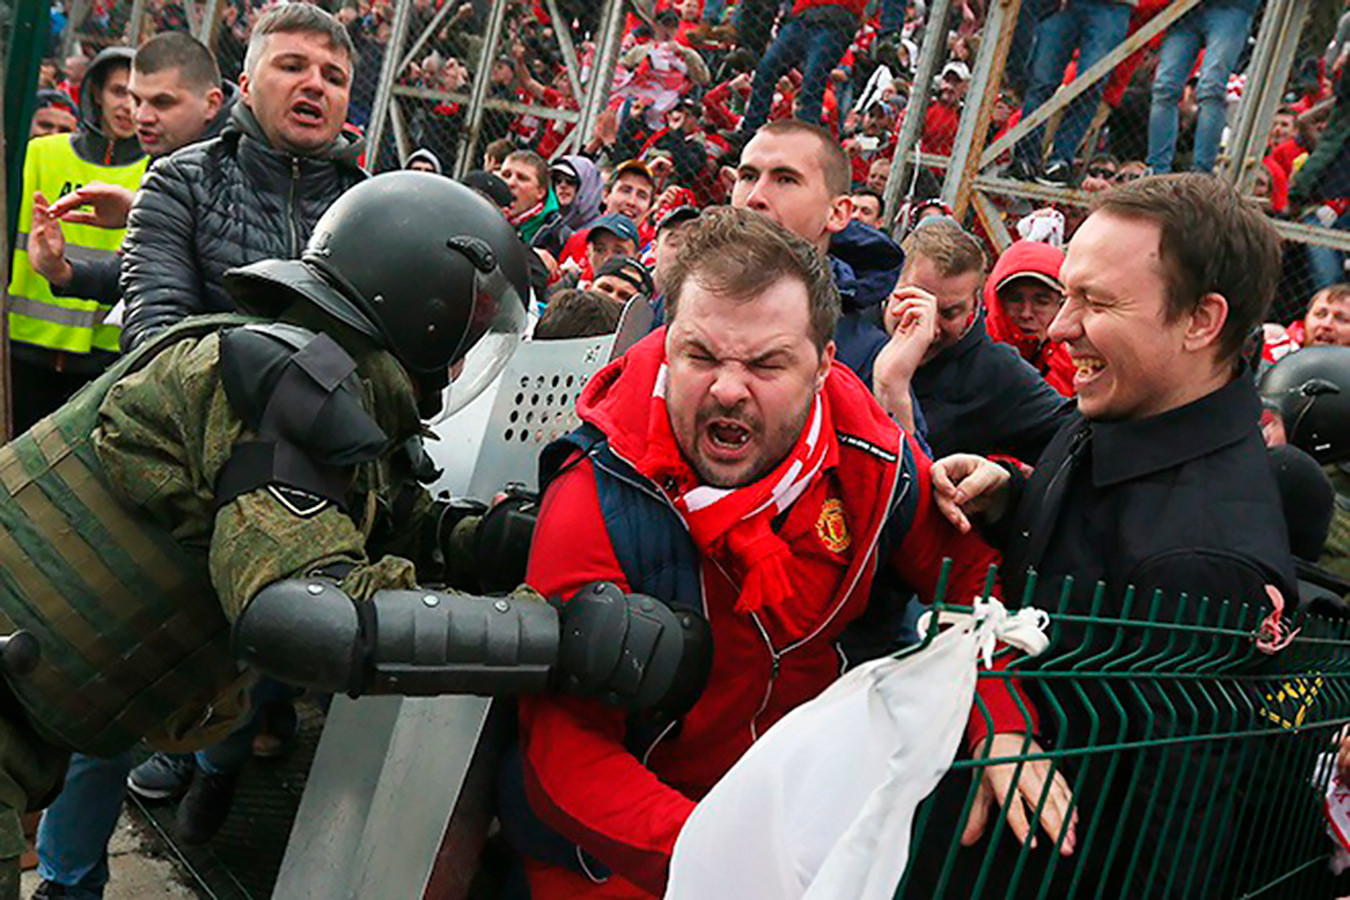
{"x":1198,"y":764}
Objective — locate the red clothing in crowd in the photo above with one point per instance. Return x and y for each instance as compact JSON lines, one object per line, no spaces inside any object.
{"x":939,"y":128}
{"x":1049,"y":358}
{"x":579,"y":777}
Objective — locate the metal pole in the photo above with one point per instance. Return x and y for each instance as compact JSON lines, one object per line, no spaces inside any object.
{"x":977,"y":115}
{"x":992,"y":221}
{"x":569,"y":50}
{"x":384,"y":92}
{"x":1272,"y":60}
{"x":425,"y":36}
{"x":934,"y":43}
{"x":468,"y":137}
{"x":602,"y":68}
{"x":1099,"y":70}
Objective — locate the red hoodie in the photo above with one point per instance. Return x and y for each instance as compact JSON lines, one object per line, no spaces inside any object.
{"x":579,"y":777}
{"x":1051,"y":359}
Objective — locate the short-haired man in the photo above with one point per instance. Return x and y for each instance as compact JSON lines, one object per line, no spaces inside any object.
{"x":978,"y":396}
{"x":534,"y":209}
{"x":1162,"y":482}
{"x":631,"y":191}
{"x":727,"y":468}
{"x":869,"y":207}
{"x":58,"y":343}
{"x":180,"y":100}
{"x":798,"y":175}
{"x":255,"y":191}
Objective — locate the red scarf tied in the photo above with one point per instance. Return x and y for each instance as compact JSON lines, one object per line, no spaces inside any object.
{"x":734,"y":526}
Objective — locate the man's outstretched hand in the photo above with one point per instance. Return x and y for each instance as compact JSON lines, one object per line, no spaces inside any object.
{"x":47,"y":244}
{"x":965,"y":485}
{"x":110,"y":204}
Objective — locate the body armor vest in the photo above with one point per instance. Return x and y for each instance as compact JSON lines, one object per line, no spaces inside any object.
{"x":131,"y":631}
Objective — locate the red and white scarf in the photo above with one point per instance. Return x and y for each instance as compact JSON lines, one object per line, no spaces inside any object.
{"x":734,"y":526}
{"x":521,"y":218}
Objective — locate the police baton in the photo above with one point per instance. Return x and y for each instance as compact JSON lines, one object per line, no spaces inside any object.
{"x":19,"y":653}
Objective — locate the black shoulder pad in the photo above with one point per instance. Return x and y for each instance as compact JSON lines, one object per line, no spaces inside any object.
{"x":297,"y":387}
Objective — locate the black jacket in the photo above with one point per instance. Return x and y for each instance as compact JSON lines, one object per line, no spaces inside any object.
{"x":97,"y":279}
{"x":216,"y":205}
{"x":980,"y":396}
{"x":1183,"y":501}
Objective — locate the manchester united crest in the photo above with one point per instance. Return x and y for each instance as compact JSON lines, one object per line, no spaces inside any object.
{"x":832,"y":528}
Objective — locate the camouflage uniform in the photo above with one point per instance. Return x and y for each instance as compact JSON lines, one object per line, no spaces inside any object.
{"x":1336,"y":551}
{"x":131,"y":501}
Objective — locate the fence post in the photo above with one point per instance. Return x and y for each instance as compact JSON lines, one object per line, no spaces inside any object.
{"x":384,"y":92}
{"x":1272,"y":61}
{"x":934,"y":43}
{"x":602,"y":69}
{"x":468,"y":136}
{"x":979,"y":107}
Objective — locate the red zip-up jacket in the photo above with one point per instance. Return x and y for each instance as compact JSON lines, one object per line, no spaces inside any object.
{"x":579,"y":777}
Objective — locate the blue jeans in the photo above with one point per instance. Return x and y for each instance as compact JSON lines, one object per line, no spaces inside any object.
{"x":820,"y":45}
{"x":1222,"y":29}
{"x":1326,"y":266}
{"x":1093,"y":28}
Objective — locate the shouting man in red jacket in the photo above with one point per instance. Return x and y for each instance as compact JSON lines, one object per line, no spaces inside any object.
{"x":728,"y":469}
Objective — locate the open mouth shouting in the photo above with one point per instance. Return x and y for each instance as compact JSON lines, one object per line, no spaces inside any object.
{"x":307,"y":113}
{"x":726,"y":440}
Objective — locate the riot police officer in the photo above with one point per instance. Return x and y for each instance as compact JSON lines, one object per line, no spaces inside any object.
{"x":246,"y":491}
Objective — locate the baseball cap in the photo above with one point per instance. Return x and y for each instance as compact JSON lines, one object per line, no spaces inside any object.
{"x":676,"y":215}
{"x":957,"y":68}
{"x":1048,"y":281}
{"x":635,"y":167}
{"x":631,"y":271}
{"x":618,"y":225}
{"x":565,"y":168}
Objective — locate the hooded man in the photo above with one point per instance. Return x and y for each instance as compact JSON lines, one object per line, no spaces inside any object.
{"x":579,"y":188}
{"x":58,"y":344}
{"x":1021,"y":298}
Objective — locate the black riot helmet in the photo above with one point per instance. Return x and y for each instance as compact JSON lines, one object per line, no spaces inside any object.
{"x":422,"y":265}
{"x":1310,"y":389}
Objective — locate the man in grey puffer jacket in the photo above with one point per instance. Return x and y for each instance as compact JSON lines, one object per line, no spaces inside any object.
{"x":256,"y":191}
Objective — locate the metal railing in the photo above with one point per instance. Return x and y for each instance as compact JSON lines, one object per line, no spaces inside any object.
{"x":1198,"y":764}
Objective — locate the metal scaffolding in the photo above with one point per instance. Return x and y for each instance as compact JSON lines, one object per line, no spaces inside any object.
{"x":588,"y":94}
{"x":971,"y":181}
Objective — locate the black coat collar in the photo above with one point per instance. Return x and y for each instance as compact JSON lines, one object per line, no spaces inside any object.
{"x":1123,"y":451}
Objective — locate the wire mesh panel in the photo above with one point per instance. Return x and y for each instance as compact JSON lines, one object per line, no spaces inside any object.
{"x":1188,"y":762}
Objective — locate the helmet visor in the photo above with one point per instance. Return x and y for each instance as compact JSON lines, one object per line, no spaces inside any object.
{"x":487,"y":357}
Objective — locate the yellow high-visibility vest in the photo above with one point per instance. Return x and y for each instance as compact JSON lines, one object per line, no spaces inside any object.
{"x":36,"y":316}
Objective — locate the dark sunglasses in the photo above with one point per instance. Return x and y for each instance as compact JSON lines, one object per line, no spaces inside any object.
{"x":1101,"y":172}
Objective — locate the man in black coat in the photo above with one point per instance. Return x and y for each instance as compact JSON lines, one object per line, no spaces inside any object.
{"x":978,"y":396}
{"x":256,"y":191}
{"x":1162,"y":482}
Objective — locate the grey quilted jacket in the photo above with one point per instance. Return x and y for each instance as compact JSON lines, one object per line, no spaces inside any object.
{"x":219,"y":204}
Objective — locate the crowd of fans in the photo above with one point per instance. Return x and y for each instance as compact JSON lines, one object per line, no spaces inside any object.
{"x":703,"y":112}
